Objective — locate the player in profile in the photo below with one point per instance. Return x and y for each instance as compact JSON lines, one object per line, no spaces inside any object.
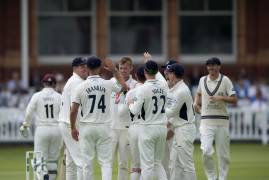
{"x":45,"y":106}
{"x":214,"y":92}
{"x":74,"y":169}
{"x":180,"y":114}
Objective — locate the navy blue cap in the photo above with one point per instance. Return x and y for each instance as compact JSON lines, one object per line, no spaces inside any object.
{"x":93,"y":62}
{"x":169,"y":62}
{"x":151,"y":67}
{"x":177,"y":69}
{"x":213,"y":61}
{"x":49,"y":78}
{"x":140,"y":74}
{"x":79,"y":61}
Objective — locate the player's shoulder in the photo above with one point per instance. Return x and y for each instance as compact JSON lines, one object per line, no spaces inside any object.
{"x":225,"y":78}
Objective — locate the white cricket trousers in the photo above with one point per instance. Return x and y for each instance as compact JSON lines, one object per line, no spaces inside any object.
{"x":221,"y":136}
{"x":182,"y":163}
{"x":134,"y":150}
{"x":120,"y":145}
{"x":151,"y":146}
{"x":74,"y":170}
{"x":48,"y":140}
{"x":95,"y":139}
{"x":166,"y":159}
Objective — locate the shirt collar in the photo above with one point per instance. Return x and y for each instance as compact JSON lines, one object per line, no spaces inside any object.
{"x":216,"y":80}
{"x":178,"y":84}
{"x":93,"y":76}
{"x":47,"y":89}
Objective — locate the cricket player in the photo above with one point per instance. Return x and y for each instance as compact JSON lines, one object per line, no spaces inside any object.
{"x":180,"y":114}
{"x":74,"y":169}
{"x":121,"y":121}
{"x":45,"y":106}
{"x":134,"y":128}
{"x":214,"y":92}
{"x":150,"y":103}
{"x":94,"y":127}
{"x":169,"y":140}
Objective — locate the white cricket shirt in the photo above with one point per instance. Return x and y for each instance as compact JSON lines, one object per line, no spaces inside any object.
{"x":179,"y":110}
{"x":94,"y":97}
{"x":68,"y":90}
{"x":120,"y":120}
{"x":215,"y":113}
{"x":150,"y":101}
{"x":44,"y":106}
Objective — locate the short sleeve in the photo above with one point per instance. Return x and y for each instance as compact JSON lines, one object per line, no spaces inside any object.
{"x":230,"y":90}
{"x":75,"y":95}
{"x":199,"y":86}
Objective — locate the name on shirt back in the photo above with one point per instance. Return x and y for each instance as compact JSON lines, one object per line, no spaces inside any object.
{"x":95,"y":88}
{"x":158,"y":91}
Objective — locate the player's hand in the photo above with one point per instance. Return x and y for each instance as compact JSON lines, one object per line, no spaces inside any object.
{"x":215,"y":98}
{"x":170,"y":134}
{"x":24,"y":130}
{"x":147,"y":56}
{"x":197,"y":108}
{"x":74,"y":133}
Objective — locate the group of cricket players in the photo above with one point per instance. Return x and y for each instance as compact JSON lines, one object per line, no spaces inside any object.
{"x":147,"y":120}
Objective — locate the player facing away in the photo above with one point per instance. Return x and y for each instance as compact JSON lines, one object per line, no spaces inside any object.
{"x":150,"y":102}
{"x":94,"y":127}
{"x":74,"y":169}
{"x":45,"y":106}
{"x":180,"y":114}
{"x":214,"y":92}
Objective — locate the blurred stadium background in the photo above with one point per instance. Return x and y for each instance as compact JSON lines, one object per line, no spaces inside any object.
{"x":40,"y":36}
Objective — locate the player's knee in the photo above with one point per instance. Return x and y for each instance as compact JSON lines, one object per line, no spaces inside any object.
{"x":207,"y":151}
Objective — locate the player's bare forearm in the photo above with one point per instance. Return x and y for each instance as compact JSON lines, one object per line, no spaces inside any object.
{"x":228,"y":99}
{"x":112,"y":68}
{"x":197,"y":103}
{"x":73,"y":115}
{"x":120,"y":79}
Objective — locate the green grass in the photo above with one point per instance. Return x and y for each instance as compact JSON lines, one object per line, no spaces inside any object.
{"x":248,"y":162}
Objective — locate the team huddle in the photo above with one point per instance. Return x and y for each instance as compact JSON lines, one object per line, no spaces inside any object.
{"x":149,"y":119}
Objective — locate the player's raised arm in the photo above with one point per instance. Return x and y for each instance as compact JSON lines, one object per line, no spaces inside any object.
{"x":112,"y":68}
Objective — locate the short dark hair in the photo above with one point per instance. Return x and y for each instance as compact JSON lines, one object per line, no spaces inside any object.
{"x":140,"y":74}
{"x":93,"y":62}
{"x":151,"y":67}
{"x":213,"y":61}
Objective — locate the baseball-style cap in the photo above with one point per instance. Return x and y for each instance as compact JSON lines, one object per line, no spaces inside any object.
{"x":77,"y":61}
{"x":177,"y":69}
{"x":93,"y":62}
{"x":169,"y":62}
{"x":49,"y":78}
{"x":151,"y":67}
{"x":213,"y":61}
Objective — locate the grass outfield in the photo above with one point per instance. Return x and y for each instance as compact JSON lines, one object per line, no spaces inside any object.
{"x":248,"y":162}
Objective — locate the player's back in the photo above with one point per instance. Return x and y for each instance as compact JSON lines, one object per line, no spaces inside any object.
{"x":154,"y":94}
{"x":94,"y":97}
{"x":47,"y":106}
